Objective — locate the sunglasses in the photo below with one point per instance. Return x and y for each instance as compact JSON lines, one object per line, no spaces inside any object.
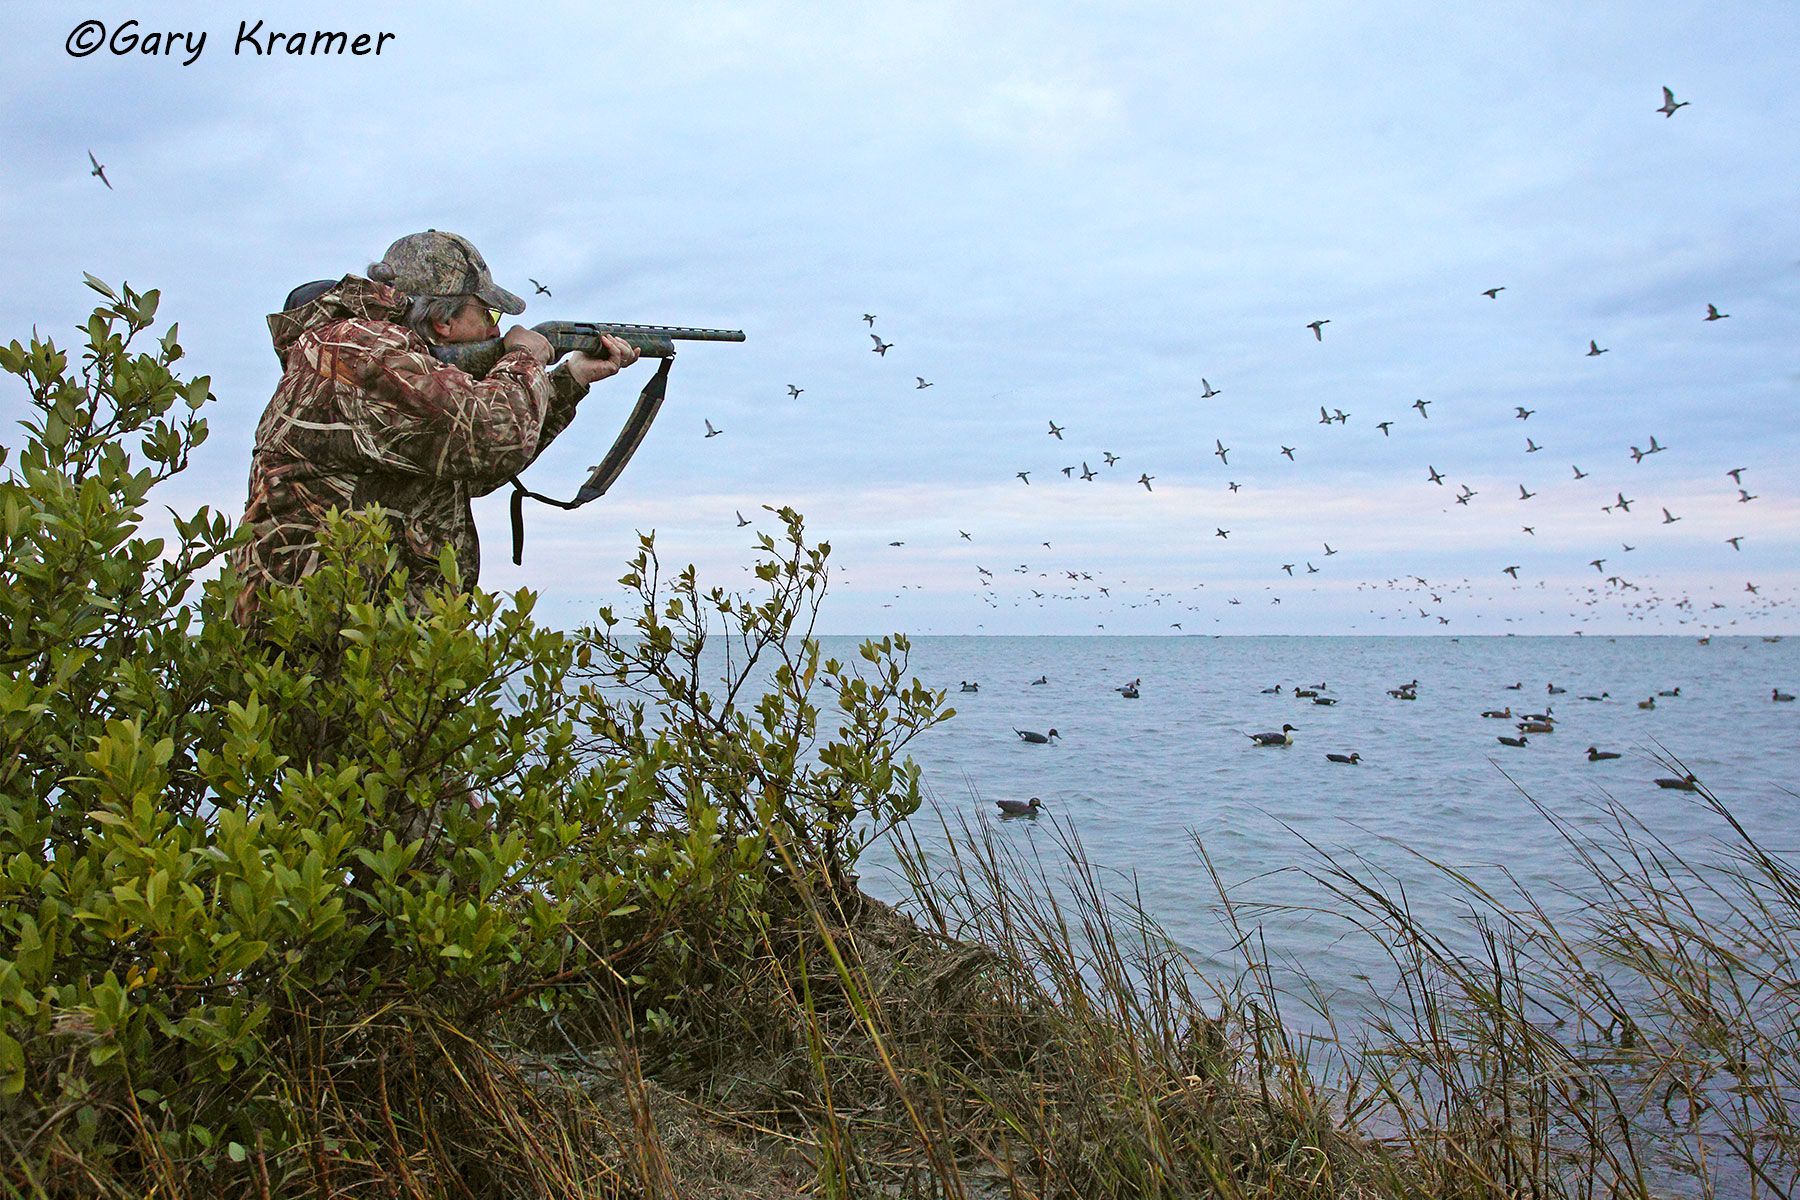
{"x":493,"y":314}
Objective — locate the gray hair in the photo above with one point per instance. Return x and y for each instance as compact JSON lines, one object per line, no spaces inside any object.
{"x":422,"y":311}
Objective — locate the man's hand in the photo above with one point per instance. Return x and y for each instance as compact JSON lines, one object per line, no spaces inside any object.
{"x":588,"y":369}
{"x":531,"y":341}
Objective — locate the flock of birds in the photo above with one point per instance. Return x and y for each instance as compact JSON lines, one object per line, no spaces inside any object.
{"x":1614,"y":586}
{"x":1410,"y":594}
{"x":1526,"y":723}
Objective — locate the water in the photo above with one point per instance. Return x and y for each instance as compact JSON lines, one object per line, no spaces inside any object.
{"x":1138,"y":780}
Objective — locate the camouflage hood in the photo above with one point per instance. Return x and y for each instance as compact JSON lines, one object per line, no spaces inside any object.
{"x":351,"y":298}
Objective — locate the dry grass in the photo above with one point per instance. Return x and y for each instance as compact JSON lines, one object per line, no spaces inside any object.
{"x":1023,"y":1031}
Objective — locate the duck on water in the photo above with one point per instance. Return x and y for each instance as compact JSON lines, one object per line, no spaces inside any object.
{"x":1019,"y":808}
{"x":1035,"y":738}
{"x":1284,"y":738}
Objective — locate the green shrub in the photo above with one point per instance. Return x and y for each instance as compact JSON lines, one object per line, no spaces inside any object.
{"x":237,"y":871}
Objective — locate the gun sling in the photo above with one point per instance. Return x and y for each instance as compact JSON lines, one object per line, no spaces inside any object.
{"x":649,"y":401}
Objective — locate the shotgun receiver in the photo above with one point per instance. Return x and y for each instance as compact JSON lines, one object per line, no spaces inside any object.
{"x":565,"y":337}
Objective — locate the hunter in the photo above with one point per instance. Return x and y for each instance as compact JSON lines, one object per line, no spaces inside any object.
{"x":365,"y":416}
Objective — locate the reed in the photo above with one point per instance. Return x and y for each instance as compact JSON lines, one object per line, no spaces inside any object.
{"x":1020,"y":1027}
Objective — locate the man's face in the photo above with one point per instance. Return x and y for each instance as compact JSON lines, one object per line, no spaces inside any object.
{"x":473,"y":322}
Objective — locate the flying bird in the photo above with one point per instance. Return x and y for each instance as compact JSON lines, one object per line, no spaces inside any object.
{"x":1086,"y":474}
{"x":1056,"y":431}
{"x":1420,"y":405}
{"x":742,"y":520}
{"x":1435,"y":477}
{"x":870,"y":318}
{"x":1623,"y":503}
{"x":1233,"y":486}
{"x":1525,"y":495}
{"x":1384,"y":428}
{"x":1744,"y":497}
{"x":1668,"y":519}
{"x":710,"y":431}
{"x":965,"y":535}
{"x":1493,"y":293}
{"x":1513,"y":571}
{"x":1713,"y":313}
{"x":1145,"y":480}
{"x":1289,"y":451}
{"x":1531,"y":447}
{"x":1594,"y":349}
{"x":880,"y":346}
{"x":541,"y":289}
{"x":1524,"y":414}
{"x":1221,"y":451}
{"x":1224,"y":533}
{"x":99,"y":171}
{"x":921,"y":383}
{"x":1318,"y":328}
{"x":1579,"y":473}
{"x":1109,"y":456}
{"x":1026,"y":476}
{"x":1670,"y":104}
{"x":1328,"y":550}
{"x":794,"y":391}
{"x":1737,"y":475}
{"x":1733,"y":541}
{"x":1324,"y":417}
{"x":1288,"y":567}
{"x":1210,"y":391}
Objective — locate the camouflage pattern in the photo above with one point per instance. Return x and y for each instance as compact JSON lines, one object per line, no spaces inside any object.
{"x":442,"y":264}
{"x":364,"y":415}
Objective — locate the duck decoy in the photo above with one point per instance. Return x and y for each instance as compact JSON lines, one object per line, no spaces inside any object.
{"x":1671,"y":692}
{"x":1037,"y":739}
{"x":1501,"y":714}
{"x":1128,"y":693}
{"x":1601,"y":696}
{"x":971,"y":687}
{"x":1781,"y":696}
{"x":1019,"y":808}
{"x":1513,"y":687}
{"x":1536,"y":727}
{"x":1041,"y":679}
{"x":1325,"y":700}
{"x":1595,"y":754}
{"x":1284,"y":738}
{"x":1512,"y":741}
{"x":1274,"y":691}
{"x":1647,"y":702}
{"x":1687,"y":783}
{"x":1352,"y":758}
{"x":1554,"y":690}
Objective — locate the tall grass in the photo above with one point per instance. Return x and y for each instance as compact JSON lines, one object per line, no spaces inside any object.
{"x":1021,"y":1028}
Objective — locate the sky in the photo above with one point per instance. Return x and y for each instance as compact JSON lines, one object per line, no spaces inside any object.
{"x":1058,"y":214}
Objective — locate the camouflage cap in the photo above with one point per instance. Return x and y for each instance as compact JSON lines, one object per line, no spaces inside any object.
{"x":442,"y":264}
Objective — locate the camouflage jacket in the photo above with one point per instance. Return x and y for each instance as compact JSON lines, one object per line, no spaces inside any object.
{"x":364,"y":415}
